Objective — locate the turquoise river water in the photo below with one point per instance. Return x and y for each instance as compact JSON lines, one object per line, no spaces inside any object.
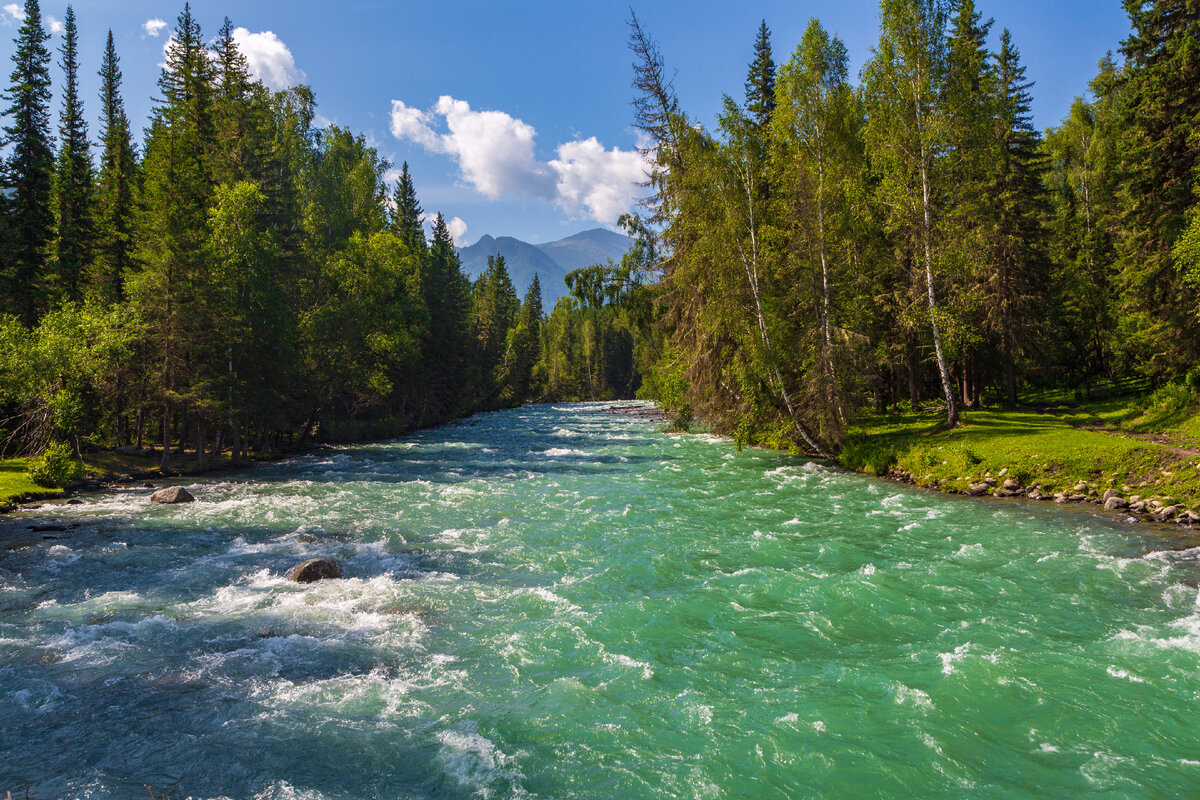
{"x":561,"y":602}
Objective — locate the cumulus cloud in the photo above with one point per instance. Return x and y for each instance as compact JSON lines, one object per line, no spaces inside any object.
{"x":13,"y":12}
{"x":53,"y":24}
{"x":154,"y":26}
{"x":605,"y":182}
{"x":495,"y":155}
{"x":269,"y":58}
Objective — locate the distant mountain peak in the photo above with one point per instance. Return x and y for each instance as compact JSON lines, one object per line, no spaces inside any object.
{"x":550,"y":261}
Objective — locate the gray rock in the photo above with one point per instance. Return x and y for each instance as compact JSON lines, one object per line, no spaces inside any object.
{"x":1081,"y":488}
{"x":313,"y":570}
{"x":172,"y":495}
{"x":1115,"y":503}
{"x":1110,"y":494}
{"x":1165,"y":513}
{"x":976,"y":490}
{"x":1011,"y":484}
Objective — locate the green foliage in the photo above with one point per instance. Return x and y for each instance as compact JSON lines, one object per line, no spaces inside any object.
{"x":873,"y":458}
{"x":55,"y":467}
{"x":29,"y":170}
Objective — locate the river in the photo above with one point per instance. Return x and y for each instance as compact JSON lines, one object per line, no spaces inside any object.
{"x":561,"y":602}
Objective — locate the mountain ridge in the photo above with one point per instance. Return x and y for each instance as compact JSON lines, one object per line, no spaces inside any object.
{"x":550,"y":261}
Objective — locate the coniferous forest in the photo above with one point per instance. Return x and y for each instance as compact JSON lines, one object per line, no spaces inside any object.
{"x":238,"y":281}
{"x":837,"y":246}
{"x":241,"y":280}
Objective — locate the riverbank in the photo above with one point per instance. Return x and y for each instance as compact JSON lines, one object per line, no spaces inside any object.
{"x":106,"y":469}
{"x":1130,"y":456}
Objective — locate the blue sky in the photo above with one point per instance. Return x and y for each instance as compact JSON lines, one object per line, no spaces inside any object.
{"x":533,"y":138}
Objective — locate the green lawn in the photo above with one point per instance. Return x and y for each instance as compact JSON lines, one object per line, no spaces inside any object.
{"x":15,"y":482}
{"x":1055,"y":448}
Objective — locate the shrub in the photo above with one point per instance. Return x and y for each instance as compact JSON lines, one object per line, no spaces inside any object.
{"x":872,"y":458}
{"x":1192,"y":379}
{"x":55,"y":467}
{"x":1170,"y":399}
{"x":918,"y":461}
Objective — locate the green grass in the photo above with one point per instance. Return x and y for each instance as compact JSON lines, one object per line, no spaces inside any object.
{"x":15,"y":482}
{"x":1052,"y":449}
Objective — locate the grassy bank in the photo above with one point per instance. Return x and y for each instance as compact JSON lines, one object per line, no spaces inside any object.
{"x":16,"y":486}
{"x":1148,"y":447}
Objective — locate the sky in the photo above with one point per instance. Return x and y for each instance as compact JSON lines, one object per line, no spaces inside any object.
{"x":514,"y":116}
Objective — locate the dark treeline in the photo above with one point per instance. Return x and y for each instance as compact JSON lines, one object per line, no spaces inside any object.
{"x":238,"y":279}
{"x":912,"y":237}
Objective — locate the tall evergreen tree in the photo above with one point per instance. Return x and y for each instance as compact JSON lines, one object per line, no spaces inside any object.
{"x":115,"y":201}
{"x":1161,"y":171}
{"x":30,"y":168}
{"x":1016,"y":234}
{"x":178,"y":189}
{"x":760,"y":79}
{"x":75,"y":238}
{"x":406,"y":214}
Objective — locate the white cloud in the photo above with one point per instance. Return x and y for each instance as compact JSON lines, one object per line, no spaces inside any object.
{"x":154,"y":26}
{"x":495,"y":156}
{"x":494,"y":151}
{"x":605,"y":182}
{"x":13,"y":12}
{"x":269,"y":58}
{"x":53,"y":24}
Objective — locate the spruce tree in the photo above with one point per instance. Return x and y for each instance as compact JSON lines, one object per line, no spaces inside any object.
{"x":73,"y":179}
{"x":760,"y":79}
{"x":1161,"y":171}
{"x":115,"y":201}
{"x":30,"y":168}
{"x":406,"y":217}
{"x":1016,"y":233}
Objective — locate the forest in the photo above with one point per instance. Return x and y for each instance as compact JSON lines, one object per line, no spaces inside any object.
{"x":243,"y":281}
{"x":239,"y":282}
{"x":837,"y":248}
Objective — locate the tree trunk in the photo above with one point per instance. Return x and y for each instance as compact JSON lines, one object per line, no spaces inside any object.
{"x":165,"y":464}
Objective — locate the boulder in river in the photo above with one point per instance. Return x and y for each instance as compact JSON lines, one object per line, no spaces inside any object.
{"x":313,"y":570}
{"x":172,"y":495}
{"x":1115,"y":503}
{"x":976,"y":490}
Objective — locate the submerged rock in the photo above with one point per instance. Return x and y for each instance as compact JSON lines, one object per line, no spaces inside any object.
{"x":313,"y":570}
{"x":171,"y":495}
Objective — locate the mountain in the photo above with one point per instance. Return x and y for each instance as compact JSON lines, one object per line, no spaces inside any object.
{"x":584,"y":249}
{"x":551,"y":262}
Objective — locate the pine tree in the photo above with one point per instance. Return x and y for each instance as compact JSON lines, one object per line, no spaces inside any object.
{"x":406,"y":216}
{"x":177,"y":190}
{"x":1016,"y":241}
{"x":1161,"y":170}
{"x":115,"y":201}
{"x":760,"y":79}
{"x":30,"y":168}
{"x":73,"y":179}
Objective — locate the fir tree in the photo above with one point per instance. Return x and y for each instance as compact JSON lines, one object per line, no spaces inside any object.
{"x":406,"y":215}
{"x":115,"y":201}
{"x":760,"y":79}
{"x":73,"y":178}
{"x":1161,"y":170}
{"x":30,"y":168}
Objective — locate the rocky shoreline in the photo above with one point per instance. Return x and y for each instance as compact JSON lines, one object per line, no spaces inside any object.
{"x":1156,"y":508}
